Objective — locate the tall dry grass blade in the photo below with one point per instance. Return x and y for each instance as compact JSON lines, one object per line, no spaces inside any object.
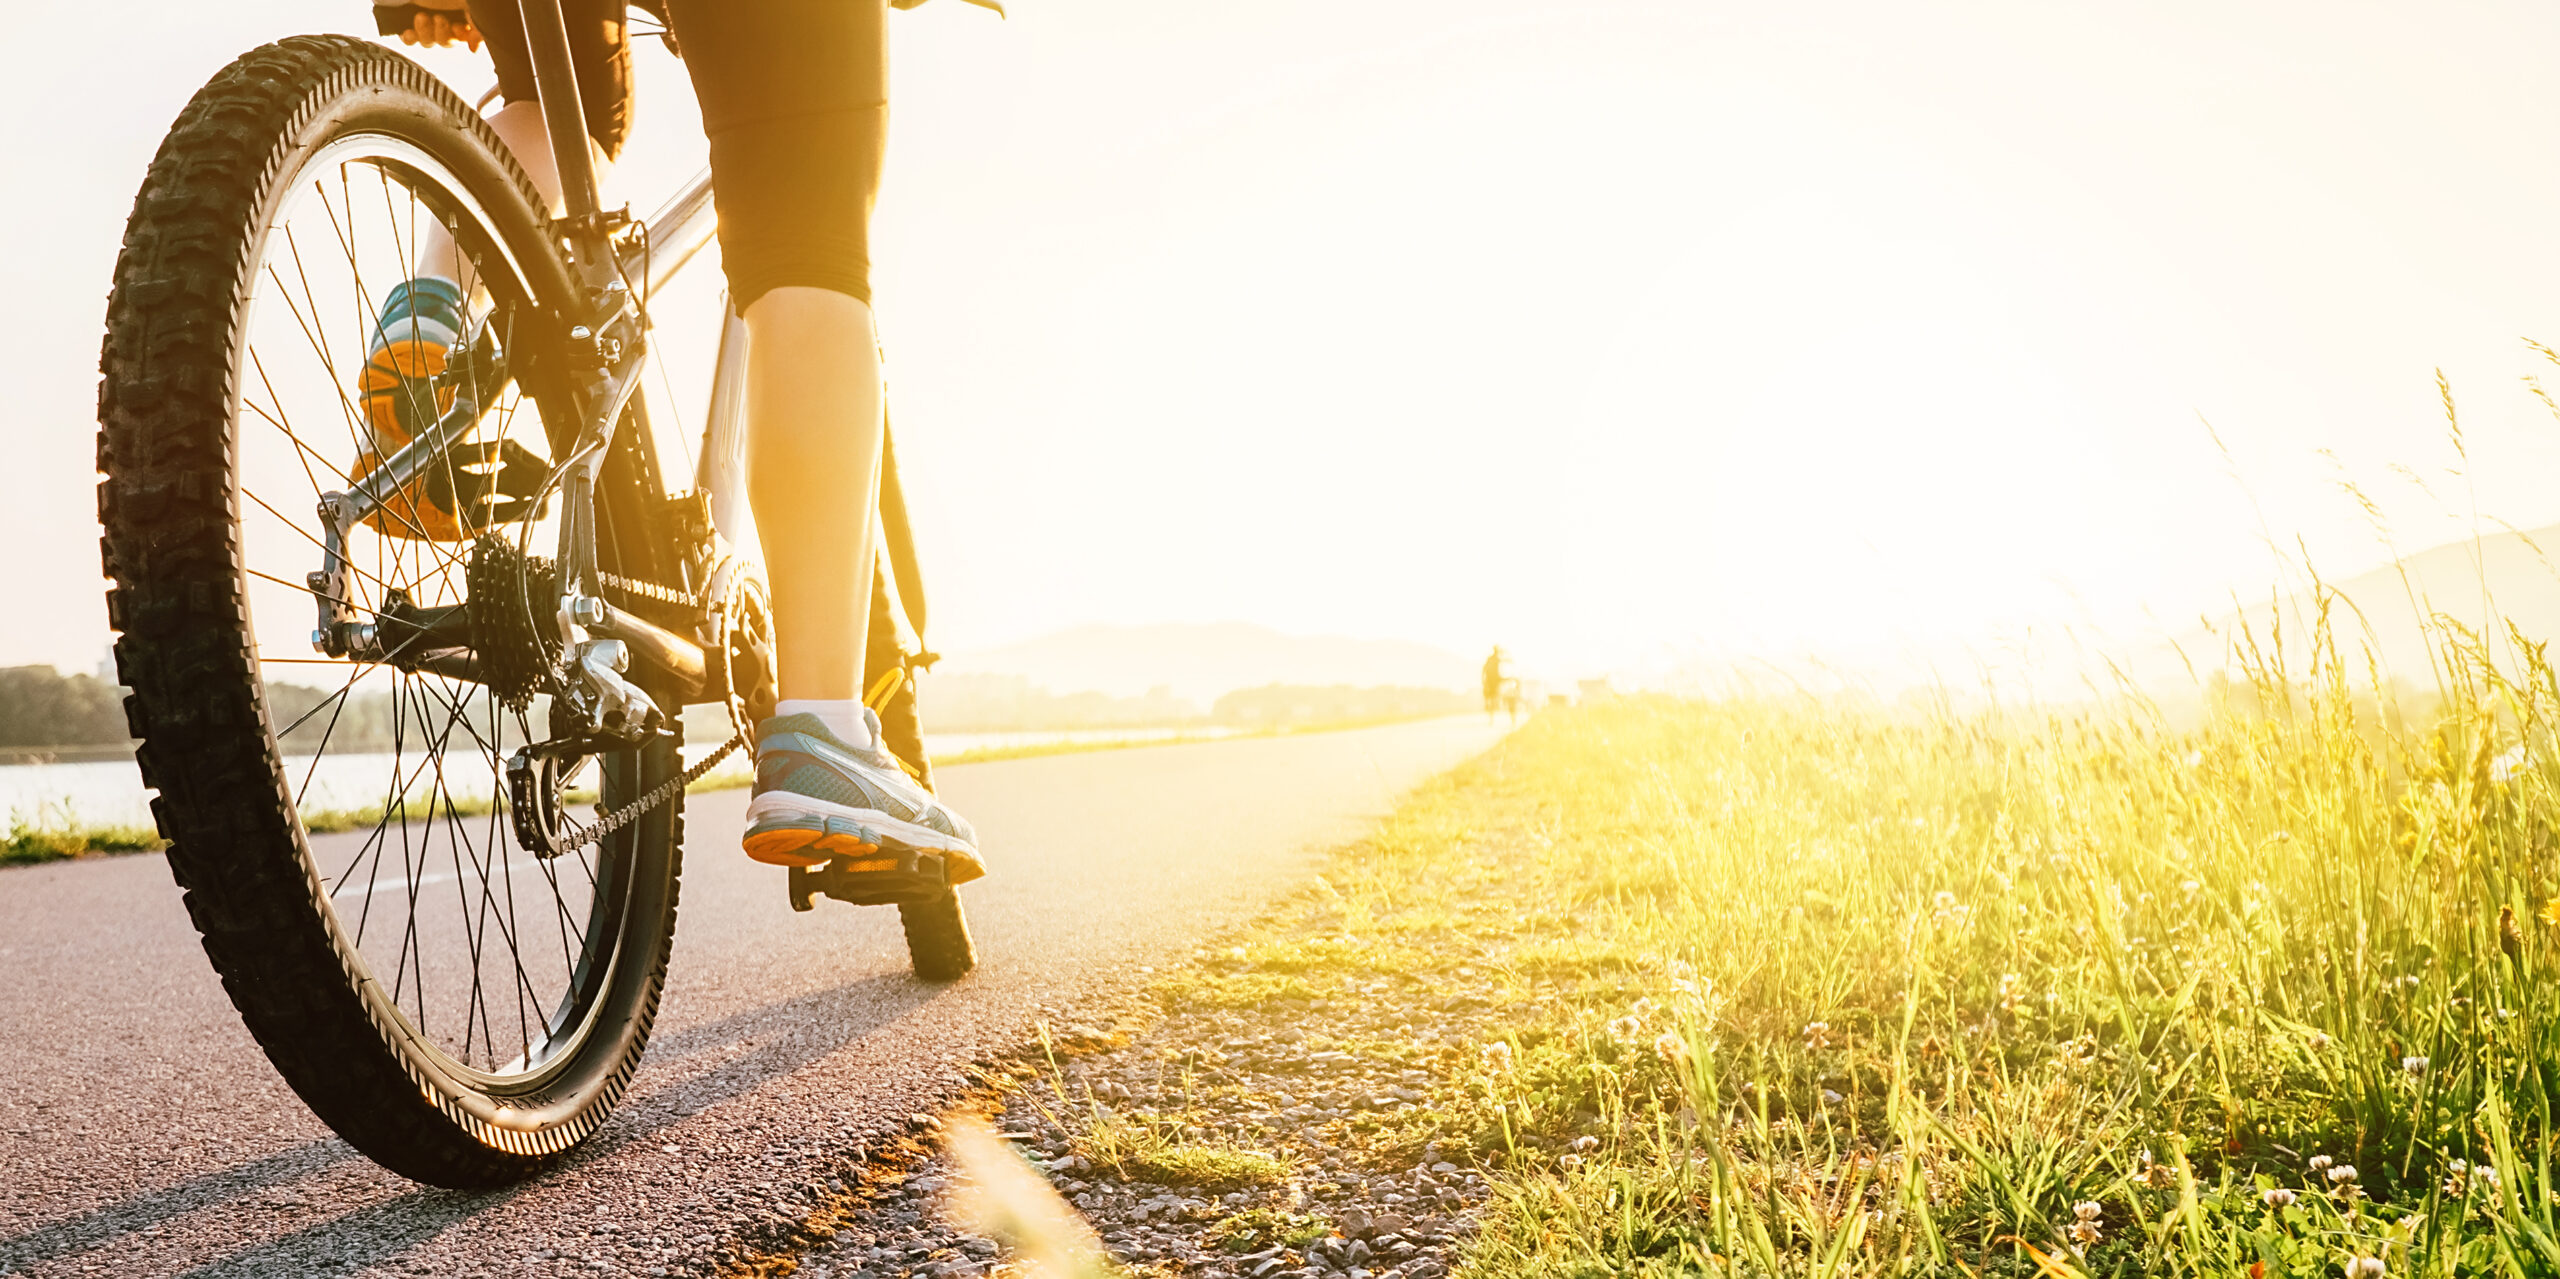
{"x":999,"y":1197}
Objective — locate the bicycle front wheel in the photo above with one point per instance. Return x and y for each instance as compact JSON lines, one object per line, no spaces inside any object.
{"x":457,"y":1007}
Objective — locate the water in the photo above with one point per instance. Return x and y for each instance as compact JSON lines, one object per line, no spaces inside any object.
{"x":109,"y":792}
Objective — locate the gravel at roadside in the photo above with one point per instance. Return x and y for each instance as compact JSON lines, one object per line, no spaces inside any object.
{"x":1232,"y":1123}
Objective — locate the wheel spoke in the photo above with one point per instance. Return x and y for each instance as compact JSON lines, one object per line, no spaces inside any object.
{"x":454,"y":921}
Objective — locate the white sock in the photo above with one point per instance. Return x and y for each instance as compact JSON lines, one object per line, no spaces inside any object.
{"x":842,"y":716}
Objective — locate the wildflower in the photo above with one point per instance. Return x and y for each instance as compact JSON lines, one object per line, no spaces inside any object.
{"x":1627,"y":1027}
{"x":2342,"y":1175}
{"x":2082,"y":1050}
{"x":1830,"y":1098}
{"x":2010,"y":995}
{"x":2508,"y":763}
{"x":1584,"y":1143}
{"x":2319,"y":1040}
{"x":1670,"y":1047}
{"x":1568,"y":1162}
{"x":2365,"y":1268}
{"x":2413,"y":1065}
{"x":2278,"y":1198}
{"x":1817,"y":1035}
{"x":2087,"y":1210}
{"x":2319,"y":1162}
{"x":1497,"y":1056}
{"x":1643,"y":1008}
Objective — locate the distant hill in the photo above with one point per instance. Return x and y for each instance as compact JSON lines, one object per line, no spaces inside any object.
{"x":1199,"y":662}
{"x":2482,"y":584}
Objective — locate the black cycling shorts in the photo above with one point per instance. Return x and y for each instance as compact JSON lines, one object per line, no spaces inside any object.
{"x":795,"y":101}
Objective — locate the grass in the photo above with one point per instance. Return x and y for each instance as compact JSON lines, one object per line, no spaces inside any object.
{"x":1136,"y":1149}
{"x":1255,"y":1229}
{"x":1802,"y":988}
{"x":30,"y":842}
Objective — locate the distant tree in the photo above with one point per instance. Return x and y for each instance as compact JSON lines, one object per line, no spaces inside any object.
{"x":40,"y":706}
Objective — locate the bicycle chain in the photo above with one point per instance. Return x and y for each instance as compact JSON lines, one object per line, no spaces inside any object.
{"x":578,"y":839}
{"x":653,"y":591}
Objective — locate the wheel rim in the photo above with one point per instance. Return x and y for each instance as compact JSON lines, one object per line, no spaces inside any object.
{"x":494,"y":962}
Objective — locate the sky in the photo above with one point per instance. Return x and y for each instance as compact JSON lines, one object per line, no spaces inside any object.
{"x":1635,"y":336}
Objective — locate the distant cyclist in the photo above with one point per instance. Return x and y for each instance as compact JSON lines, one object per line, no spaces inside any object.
{"x":794,"y":100}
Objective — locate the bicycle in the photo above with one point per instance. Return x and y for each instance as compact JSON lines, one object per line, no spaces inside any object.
{"x":458,"y":975}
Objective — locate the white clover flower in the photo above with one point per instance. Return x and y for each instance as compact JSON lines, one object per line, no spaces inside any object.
{"x":2319,"y":1162}
{"x":1830,"y":1098}
{"x":1497,"y":1056}
{"x":2087,"y":1210}
{"x":1670,"y":1047}
{"x":2319,"y":1040}
{"x":2414,"y":1065}
{"x":2508,"y":763}
{"x":2278,"y":1198}
{"x":2484,"y":1175}
{"x":2366,"y":1268}
{"x":1586,"y":1142}
{"x":2343,"y":1174}
{"x":1568,"y":1162}
{"x":1817,"y":1034}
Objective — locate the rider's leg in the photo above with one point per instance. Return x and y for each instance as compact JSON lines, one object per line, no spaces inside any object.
{"x":794,"y":100}
{"x":813,"y":475}
{"x":417,"y":322}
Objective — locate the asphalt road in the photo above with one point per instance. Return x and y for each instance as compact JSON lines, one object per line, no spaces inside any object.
{"x":142,"y":1133}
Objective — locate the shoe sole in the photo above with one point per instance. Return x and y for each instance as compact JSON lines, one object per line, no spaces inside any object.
{"x":784,"y":829}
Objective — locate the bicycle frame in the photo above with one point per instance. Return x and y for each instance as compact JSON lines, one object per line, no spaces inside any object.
{"x":607,"y":351}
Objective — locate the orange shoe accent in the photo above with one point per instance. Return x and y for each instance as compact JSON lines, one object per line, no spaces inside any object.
{"x":791,"y":847}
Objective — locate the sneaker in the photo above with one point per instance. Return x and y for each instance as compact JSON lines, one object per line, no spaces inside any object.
{"x":819,"y":798}
{"x":421,"y":321}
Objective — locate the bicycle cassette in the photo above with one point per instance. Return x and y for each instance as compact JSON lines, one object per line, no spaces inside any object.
{"x":512,"y":598}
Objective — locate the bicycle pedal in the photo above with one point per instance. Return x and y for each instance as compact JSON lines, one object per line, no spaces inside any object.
{"x":884,"y":878}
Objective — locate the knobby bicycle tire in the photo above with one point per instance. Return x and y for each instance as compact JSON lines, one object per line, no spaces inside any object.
{"x":171,"y":505}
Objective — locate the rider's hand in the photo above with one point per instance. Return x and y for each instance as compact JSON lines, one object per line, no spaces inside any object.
{"x":435,"y":24}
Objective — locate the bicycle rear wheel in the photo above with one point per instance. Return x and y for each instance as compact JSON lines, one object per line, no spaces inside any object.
{"x":457,"y":1008}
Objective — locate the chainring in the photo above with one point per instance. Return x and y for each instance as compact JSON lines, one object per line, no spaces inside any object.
{"x":743,"y":622}
{"x":512,"y":597}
